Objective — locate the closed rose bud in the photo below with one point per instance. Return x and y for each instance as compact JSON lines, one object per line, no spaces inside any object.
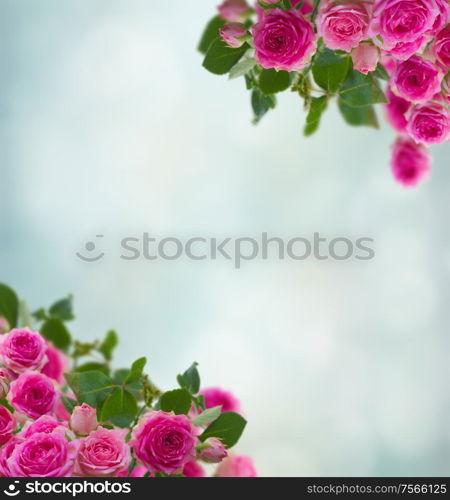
{"x":5,"y":384}
{"x":83,"y":420}
{"x":234,"y":11}
{"x":4,"y":325}
{"x":365,"y":57}
{"x":212,"y":451}
{"x":234,"y":35}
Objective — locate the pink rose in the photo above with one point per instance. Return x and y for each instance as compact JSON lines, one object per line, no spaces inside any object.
{"x":343,"y":24}
{"x":416,"y":80}
{"x":404,"y":50}
{"x":33,"y":394}
{"x":104,"y":453}
{"x":193,"y":469}
{"x":429,"y":123}
{"x":396,"y":110}
{"x":57,"y":364}
{"x":234,"y":11}
{"x":7,"y":425}
{"x":164,"y":442}
{"x":234,"y":34}
{"x":5,"y":453}
{"x":45,"y":424}
{"x":365,"y":57}
{"x":443,"y":17}
{"x":410,"y":161}
{"x":284,"y":40}
{"x":83,"y":420}
{"x":4,"y":325}
{"x":402,"y":20}
{"x":43,"y":455}
{"x":236,"y":466}
{"x":215,"y":396}
{"x":441,"y":47}
{"x":212,"y":451}
{"x":22,"y":350}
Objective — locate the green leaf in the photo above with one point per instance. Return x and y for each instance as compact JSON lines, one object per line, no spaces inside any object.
{"x":92,"y":366}
{"x":362,"y":116}
{"x":90,"y":387}
{"x":68,"y":403}
{"x":261,"y":104}
{"x":361,"y":90}
{"x":330,"y":69}
{"x":9,"y":305}
{"x":63,"y":309}
{"x":381,"y":72}
{"x":228,"y":427}
{"x":245,"y":65}
{"x":317,"y":107}
{"x":137,"y":369}
{"x":179,"y":401}
{"x":190,"y":379}
{"x":40,"y":314}
{"x":272,"y":81}
{"x":220,"y":58}
{"x":120,"y":408}
{"x":56,"y":332}
{"x":210,"y":34}
{"x":108,"y":345}
{"x":207,"y":416}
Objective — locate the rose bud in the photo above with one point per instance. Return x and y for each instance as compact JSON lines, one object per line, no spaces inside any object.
{"x":365,"y":57}
{"x":4,"y":325}
{"x":410,"y":162}
{"x":234,"y":35}
{"x":5,"y":383}
{"x":212,"y":451}
{"x":234,"y":11}
{"x":83,"y":420}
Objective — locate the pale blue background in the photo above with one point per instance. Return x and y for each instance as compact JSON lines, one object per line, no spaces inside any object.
{"x":110,"y":125}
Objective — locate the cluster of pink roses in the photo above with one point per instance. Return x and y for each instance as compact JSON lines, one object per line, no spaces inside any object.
{"x":411,"y":38}
{"x":40,"y":438}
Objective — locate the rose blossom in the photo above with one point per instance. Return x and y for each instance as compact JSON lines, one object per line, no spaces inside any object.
{"x":22,"y":350}
{"x":7,"y":425}
{"x":56,"y":365}
{"x":43,"y":455}
{"x":441,"y":47}
{"x":429,"y":123}
{"x":410,"y":162}
{"x":284,"y":40}
{"x":343,"y":24}
{"x":33,"y":394}
{"x":404,"y":50}
{"x":164,"y":442}
{"x":45,"y":424}
{"x":103,"y":453}
{"x":443,"y":17}
{"x":4,"y":325}
{"x":365,"y":57}
{"x":83,"y":420}
{"x":215,"y":396}
{"x":396,"y":110}
{"x":212,"y":451}
{"x":234,"y":11}
{"x":193,"y":469}
{"x":5,"y":453}
{"x":402,"y":20}
{"x":234,"y":34}
{"x":236,"y":466}
{"x":416,"y":80}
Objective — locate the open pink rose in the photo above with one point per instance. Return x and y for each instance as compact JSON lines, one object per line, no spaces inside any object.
{"x":57,"y":364}
{"x":33,"y":394}
{"x":396,"y":110}
{"x":234,"y":11}
{"x":164,"y":442}
{"x":343,"y":24}
{"x":441,"y":47}
{"x":234,"y":34}
{"x":104,"y":453}
{"x":43,"y":455}
{"x":429,"y":123}
{"x":45,"y":424}
{"x":7,"y":425}
{"x":402,"y":20}
{"x":284,"y":40}
{"x":22,"y":350}
{"x":416,"y":80}
{"x":5,"y":453}
{"x":215,"y":396}
{"x":236,"y":466}
{"x":404,"y":50}
{"x":193,"y":469}
{"x":365,"y":57}
{"x":410,"y":161}
{"x":83,"y":420}
{"x":443,"y":17}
